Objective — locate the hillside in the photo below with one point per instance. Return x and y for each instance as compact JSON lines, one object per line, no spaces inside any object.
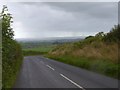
{"x":97,"y":53}
{"x":43,"y":46}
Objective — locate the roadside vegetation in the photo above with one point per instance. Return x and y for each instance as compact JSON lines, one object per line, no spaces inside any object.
{"x":11,"y":51}
{"x":0,"y":54}
{"x":97,"y":53}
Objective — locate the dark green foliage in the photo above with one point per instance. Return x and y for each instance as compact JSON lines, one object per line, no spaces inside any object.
{"x":100,"y":34}
{"x":113,"y":35}
{"x":89,"y":37}
{"x":11,"y":51}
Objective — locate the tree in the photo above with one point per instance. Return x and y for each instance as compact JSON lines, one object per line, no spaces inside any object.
{"x":7,"y":31}
{"x":113,"y":35}
{"x":100,"y":34}
{"x":11,"y":50}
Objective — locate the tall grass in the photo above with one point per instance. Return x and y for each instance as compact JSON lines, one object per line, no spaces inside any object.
{"x":95,"y":56}
{"x":102,"y":66}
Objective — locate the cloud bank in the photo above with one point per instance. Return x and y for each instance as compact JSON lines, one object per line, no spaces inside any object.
{"x":62,"y":19}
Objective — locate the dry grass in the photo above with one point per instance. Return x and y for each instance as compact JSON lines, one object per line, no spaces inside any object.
{"x":94,"y":50}
{"x":97,"y":56}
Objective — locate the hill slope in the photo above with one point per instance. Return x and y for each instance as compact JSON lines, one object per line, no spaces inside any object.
{"x":97,"y":53}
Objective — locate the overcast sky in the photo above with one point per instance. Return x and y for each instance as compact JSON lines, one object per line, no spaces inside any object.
{"x":62,"y":19}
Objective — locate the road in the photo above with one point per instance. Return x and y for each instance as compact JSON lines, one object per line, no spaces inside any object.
{"x":40,"y":72}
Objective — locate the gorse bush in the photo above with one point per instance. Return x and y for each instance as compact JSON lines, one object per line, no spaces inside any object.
{"x":11,"y":51}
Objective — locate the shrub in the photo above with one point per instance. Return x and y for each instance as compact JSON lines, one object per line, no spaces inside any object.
{"x":113,"y":35}
{"x":11,"y":51}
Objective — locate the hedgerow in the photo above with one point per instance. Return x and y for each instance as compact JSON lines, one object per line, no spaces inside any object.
{"x":11,"y":51}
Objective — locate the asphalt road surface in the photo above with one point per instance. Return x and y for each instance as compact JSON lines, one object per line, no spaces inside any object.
{"x":40,"y":72}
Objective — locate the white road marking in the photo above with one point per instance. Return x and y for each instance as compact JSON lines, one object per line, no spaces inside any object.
{"x":50,"y":67}
{"x":72,"y":82}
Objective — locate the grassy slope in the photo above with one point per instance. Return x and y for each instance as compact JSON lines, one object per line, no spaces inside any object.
{"x":96,"y":56}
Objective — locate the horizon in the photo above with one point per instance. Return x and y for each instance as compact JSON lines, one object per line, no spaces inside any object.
{"x":49,"y":38}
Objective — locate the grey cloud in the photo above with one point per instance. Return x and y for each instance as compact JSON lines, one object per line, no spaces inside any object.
{"x":50,"y":19}
{"x":94,"y":9}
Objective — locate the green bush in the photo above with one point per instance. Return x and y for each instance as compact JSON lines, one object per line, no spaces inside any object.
{"x":11,"y":51}
{"x":113,"y":35}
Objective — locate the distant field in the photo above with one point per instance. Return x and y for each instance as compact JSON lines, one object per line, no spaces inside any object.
{"x":41,"y":48}
{"x":36,"y":47}
{"x":38,"y":50}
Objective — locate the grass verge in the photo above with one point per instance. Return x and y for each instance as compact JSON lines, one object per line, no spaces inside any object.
{"x":96,"y":65}
{"x":9,"y":77}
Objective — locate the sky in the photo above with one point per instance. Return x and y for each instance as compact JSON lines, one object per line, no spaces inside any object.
{"x":62,"y":19}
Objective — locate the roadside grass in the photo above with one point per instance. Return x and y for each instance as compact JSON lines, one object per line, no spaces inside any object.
{"x":12,"y":58}
{"x":96,"y":56}
{"x":10,"y":75}
{"x":101,"y":66}
{"x":0,"y":65}
{"x":0,"y":75}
